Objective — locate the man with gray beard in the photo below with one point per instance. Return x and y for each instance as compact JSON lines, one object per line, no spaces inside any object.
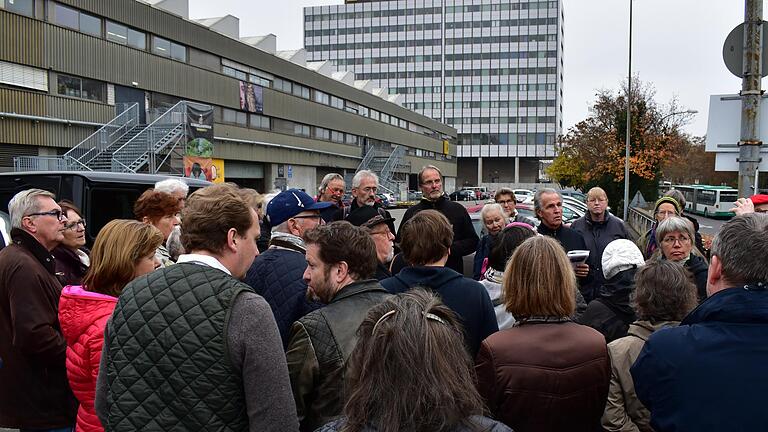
{"x":365,"y":185}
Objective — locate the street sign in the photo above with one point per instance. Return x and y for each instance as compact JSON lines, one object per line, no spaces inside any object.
{"x":733,"y":51}
{"x":724,"y":131}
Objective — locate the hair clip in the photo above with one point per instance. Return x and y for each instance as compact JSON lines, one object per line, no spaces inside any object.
{"x":383,"y":317}
{"x":434,"y":317}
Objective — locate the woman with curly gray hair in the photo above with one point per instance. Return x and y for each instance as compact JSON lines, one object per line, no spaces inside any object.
{"x":410,"y":372}
{"x":664,"y":295}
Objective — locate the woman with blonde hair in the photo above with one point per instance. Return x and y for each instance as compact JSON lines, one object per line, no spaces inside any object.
{"x":546,"y":373}
{"x":124,"y":250}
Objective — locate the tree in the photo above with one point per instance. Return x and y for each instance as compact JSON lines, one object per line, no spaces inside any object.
{"x":694,"y":165}
{"x":592,"y":153}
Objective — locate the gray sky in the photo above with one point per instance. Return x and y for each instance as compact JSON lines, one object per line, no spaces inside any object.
{"x":677,"y":45}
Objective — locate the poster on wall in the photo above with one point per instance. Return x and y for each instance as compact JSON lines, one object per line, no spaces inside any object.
{"x":218,"y":166}
{"x":202,"y":168}
{"x":200,"y":131}
{"x":251,"y":97}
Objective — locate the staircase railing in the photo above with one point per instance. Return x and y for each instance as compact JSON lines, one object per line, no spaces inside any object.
{"x":387,"y":175}
{"x":144,"y":147}
{"x":100,"y":141}
{"x":366,"y":162}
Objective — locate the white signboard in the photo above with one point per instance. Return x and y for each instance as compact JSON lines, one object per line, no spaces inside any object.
{"x":724,"y":131}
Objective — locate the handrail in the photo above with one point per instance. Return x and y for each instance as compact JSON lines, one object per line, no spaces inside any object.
{"x":639,"y":220}
{"x":367,"y":159}
{"x":105,"y":136}
{"x":143,"y":144}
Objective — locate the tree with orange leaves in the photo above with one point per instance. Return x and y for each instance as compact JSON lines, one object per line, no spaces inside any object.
{"x":592,"y":153}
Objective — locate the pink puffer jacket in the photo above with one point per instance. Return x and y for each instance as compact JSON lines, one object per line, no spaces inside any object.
{"x":83,"y":316}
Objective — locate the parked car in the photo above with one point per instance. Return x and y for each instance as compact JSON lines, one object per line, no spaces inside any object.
{"x":575,"y":194}
{"x":463,"y":195}
{"x":522,"y":194}
{"x":413,"y":198}
{"x":383,"y":200}
{"x":575,"y":203}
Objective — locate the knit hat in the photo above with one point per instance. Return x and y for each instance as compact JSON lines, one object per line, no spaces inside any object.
{"x":621,"y":255}
{"x":667,"y":199}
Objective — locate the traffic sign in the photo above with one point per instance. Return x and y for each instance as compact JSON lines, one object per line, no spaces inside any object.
{"x":733,"y":51}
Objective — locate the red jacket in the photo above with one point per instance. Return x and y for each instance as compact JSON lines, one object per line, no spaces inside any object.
{"x":83,"y":316}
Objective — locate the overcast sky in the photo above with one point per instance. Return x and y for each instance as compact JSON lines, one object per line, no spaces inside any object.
{"x":677,"y":45}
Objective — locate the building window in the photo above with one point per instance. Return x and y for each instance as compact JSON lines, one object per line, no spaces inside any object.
{"x":235,"y":117}
{"x":321,"y":97}
{"x":226,"y":70}
{"x":322,"y":133}
{"x":74,"y":19}
{"x":301,"y":129}
{"x":260,"y":81}
{"x":80,"y":88}
{"x":337,"y":136}
{"x":301,"y":91}
{"x":259,"y":122}
{"x":350,"y":139}
{"x":178,"y":52}
{"x":337,"y":102}
{"x":126,"y":36}
{"x":22,"y":7}
{"x":161,"y":46}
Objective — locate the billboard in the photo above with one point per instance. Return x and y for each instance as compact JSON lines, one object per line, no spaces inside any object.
{"x":251,"y":97}
{"x":202,"y":168}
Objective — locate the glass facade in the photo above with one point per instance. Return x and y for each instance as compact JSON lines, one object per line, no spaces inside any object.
{"x":492,"y":70}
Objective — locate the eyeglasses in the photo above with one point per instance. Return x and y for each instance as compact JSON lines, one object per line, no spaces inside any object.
{"x":672,"y":240}
{"x":666,"y":213}
{"x":502,"y":202}
{"x":73,"y":225}
{"x":385,"y":232}
{"x":58,"y":214}
{"x":316,"y":216}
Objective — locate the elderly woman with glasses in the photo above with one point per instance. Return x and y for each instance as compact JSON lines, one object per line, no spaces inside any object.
{"x":72,"y":257}
{"x":675,"y":236}
{"x":665,"y":207}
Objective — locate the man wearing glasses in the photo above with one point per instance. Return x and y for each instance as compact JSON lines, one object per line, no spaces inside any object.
{"x":598,"y":228}
{"x":433,"y":198}
{"x":376,"y":222}
{"x":505,"y":197}
{"x":34,"y":392}
{"x":276,"y":274}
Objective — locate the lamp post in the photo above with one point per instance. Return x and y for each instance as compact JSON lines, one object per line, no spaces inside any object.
{"x":629,"y":118}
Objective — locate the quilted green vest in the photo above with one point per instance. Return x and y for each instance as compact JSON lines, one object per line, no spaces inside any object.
{"x":168,"y":365}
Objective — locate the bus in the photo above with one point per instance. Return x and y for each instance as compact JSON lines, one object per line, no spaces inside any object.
{"x":708,"y":201}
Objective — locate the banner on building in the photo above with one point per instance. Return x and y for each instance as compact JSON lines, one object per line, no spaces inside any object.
{"x":251,"y":97}
{"x":203,"y":169}
{"x":200,"y":130}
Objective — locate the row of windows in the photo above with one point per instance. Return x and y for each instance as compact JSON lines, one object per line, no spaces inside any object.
{"x":506,"y":139}
{"x":501,"y":104}
{"x":385,"y":60}
{"x":500,"y":72}
{"x":376,"y":44}
{"x":502,"y":7}
{"x":501,"y":39}
{"x":505,"y":55}
{"x":478,"y":88}
{"x":372,"y":14}
{"x":499,"y":120}
{"x":397,"y":75}
{"x":81,"y":88}
{"x":422,"y":105}
{"x":500,"y":23}
{"x":373,"y":29}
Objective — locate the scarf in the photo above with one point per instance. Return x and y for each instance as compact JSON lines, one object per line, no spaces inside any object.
{"x":287,"y":241}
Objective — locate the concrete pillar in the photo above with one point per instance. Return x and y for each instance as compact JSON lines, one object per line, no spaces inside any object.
{"x":517,"y":170}
{"x":479,"y":171}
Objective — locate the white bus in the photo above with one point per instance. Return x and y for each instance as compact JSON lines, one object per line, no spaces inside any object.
{"x":709,"y":201}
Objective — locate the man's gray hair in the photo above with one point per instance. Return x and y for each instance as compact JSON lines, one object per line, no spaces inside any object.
{"x":539,"y":193}
{"x":742,"y":246}
{"x":490,"y":208}
{"x":24,"y":203}
{"x":678,"y":196}
{"x":674,"y":224}
{"x":327,"y":180}
{"x":360,"y":175}
{"x":172,"y":185}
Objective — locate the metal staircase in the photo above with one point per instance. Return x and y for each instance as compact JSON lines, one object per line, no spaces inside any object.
{"x":388,"y":164}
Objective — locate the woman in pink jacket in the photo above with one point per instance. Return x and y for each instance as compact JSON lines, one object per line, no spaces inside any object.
{"x":124,"y":250}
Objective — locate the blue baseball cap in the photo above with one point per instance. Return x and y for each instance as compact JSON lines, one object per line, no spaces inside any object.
{"x":289,"y":203}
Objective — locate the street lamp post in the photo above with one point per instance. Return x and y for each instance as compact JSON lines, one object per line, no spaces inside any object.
{"x":629,"y":118}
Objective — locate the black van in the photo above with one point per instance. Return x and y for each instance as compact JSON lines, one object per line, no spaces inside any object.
{"x":102,"y":196}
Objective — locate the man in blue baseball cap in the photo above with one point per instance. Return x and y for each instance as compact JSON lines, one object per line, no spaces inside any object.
{"x":276,"y":274}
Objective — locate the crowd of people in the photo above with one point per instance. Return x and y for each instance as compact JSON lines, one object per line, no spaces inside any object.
{"x":226,"y":309}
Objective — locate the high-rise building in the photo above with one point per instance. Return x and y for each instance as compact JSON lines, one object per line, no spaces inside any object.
{"x":493,"y":69}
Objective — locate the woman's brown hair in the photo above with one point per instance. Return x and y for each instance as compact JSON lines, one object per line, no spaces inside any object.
{"x":155,"y":205}
{"x":410,"y":370}
{"x":539,"y":280}
{"x":664,"y":291}
{"x":118,"y":247}
{"x":426,"y":238}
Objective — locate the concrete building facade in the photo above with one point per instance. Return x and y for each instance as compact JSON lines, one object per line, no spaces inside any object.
{"x":65,"y":66}
{"x":493,"y":69}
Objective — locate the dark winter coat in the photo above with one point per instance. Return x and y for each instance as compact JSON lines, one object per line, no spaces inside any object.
{"x":597,"y":235}
{"x":467,"y":297}
{"x":464,"y":236}
{"x":699,"y":269}
{"x":478,"y":424}
{"x":278,"y":276}
{"x":545,"y":377}
{"x":70,"y":270}
{"x":709,"y":374}
{"x":571,"y":239}
{"x":483,"y":251}
{"x":697,"y":234}
{"x":34,"y":391}
{"x":612,"y":313}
